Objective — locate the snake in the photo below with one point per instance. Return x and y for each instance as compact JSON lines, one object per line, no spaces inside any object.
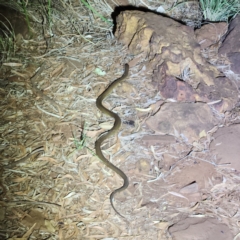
{"x":113,"y":131}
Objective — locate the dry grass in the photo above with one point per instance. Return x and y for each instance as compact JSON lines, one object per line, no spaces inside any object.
{"x":51,"y":179}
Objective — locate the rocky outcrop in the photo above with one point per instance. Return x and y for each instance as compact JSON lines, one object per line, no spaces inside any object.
{"x":210,"y":34}
{"x":170,"y":48}
{"x":231,"y":45}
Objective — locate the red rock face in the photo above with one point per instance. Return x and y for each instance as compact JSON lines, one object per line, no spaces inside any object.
{"x":195,"y":99}
{"x":231,"y":45}
{"x":210,"y":34}
{"x":225,"y":145}
{"x":179,"y":71}
{"x":186,"y":119}
{"x":200,"y":228}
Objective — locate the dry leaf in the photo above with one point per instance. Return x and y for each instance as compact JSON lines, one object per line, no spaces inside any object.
{"x":106,"y":125}
{"x":49,"y":226}
{"x":13,"y":64}
{"x":57,"y":71}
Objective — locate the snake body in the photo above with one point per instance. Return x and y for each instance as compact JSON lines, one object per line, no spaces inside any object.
{"x":111,"y":132}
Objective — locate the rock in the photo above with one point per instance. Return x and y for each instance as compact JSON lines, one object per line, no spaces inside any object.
{"x":226,"y":144}
{"x":200,"y":229}
{"x":183,"y":120}
{"x":171,"y":50}
{"x":210,"y":34}
{"x":231,"y":45}
{"x":151,"y":140}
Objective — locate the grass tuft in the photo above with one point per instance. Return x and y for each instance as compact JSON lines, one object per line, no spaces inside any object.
{"x":23,"y":7}
{"x":94,"y":11}
{"x":219,"y":10}
{"x":7,"y":39}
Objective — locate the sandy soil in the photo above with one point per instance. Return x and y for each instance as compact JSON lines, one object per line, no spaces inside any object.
{"x":53,"y":186}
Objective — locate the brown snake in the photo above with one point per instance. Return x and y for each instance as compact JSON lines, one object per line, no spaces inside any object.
{"x":113,"y":131}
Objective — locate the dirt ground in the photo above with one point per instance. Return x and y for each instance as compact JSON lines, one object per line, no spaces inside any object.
{"x":178,"y":144}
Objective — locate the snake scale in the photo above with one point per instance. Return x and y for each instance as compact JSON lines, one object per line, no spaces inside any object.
{"x":111,"y":132}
